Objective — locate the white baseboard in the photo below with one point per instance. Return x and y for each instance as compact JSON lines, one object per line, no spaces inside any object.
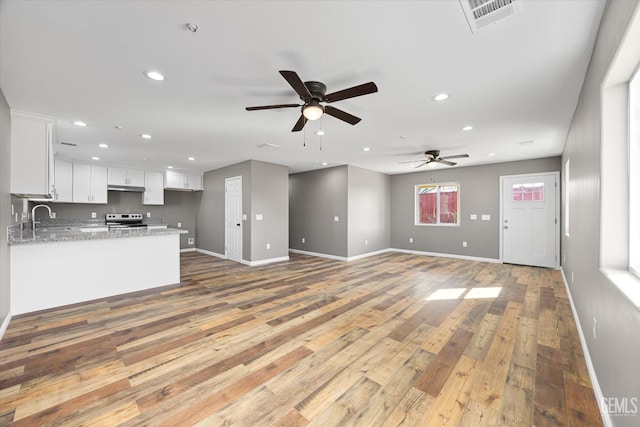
{"x":585,"y":350}
{"x":264,"y":261}
{"x":245,"y":262}
{"x":187,"y":250}
{"x":437,"y":254}
{"x":5,"y":324}
{"x":407,"y":251}
{"x":215,"y":254}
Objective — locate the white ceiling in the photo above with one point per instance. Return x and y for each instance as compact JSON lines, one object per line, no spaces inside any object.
{"x":515,"y":80}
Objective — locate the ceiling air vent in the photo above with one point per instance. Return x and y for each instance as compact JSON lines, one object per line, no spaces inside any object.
{"x":70,"y":144}
{"x":480,"y":13}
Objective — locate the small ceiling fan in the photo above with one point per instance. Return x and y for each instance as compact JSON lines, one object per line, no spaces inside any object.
{"x":432,"y":157}
{"x":312,"y":94}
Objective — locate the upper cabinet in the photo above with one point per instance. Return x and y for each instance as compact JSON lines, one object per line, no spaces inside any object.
{"x":153,"y":188}
{"x":31,"y":155}
{"x":89,"y":183}
{"x":63,"y":181}
{"x":182,"y":181}
{"x":125,"y":177}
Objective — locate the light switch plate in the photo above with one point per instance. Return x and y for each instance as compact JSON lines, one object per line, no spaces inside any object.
{"x":473,"y":217}
{"x":336,"y":219}
{"x":486,"y":217}
{"x":93,"y":215}
{"x":258,"y":217}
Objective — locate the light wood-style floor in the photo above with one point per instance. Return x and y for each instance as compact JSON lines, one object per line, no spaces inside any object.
{"x":394,"y":339}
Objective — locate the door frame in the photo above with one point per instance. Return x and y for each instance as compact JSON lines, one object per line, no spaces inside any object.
{"x":226,"y":181}
{"x":556,"y":175}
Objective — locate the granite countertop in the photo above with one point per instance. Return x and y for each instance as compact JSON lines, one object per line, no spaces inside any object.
{"x":78,"y":232}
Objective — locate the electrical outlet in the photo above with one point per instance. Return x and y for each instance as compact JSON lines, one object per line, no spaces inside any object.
{"x":303,"y":240}
{"x":336,"y":218}
{"x":179,"y":225}
{"x":464,"y":244}
{"x":268,"y":245}
{"x":94,"y":215}
{"x":53,"y":215}
{"x":595,"y":329}
{"x":191,"y":241}
{"x":148,"y":214}
{"x":410,"y":239}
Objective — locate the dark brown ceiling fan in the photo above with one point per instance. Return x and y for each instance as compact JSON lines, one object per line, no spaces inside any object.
{"x":433,"y":156}
{"x":313,"y":94}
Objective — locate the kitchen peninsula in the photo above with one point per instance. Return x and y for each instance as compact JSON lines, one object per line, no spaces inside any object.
{"x":66,"y":265}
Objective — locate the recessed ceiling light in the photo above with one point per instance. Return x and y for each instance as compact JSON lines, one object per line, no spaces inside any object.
{"x":324,"y":163}
{"x":191,"y":159}
{"x":320,"y":133}
{"x":467,"y":128}
{"x":103,"y":145}
{"x":366,"y":149}
{"x":79,"y":123}
{"x":169,"y":167}
{"x":154,"y":75}
{"x":440,"y":97}
{"x":491,"y":154}
{"x":145,"y":136}
{"x":95,"y":158}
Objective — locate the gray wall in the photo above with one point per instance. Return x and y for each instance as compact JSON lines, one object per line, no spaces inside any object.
{"x":5,"y":206}
{"x":479,"y":194}
{"x":616,"y":351}
{"x":179,"y":206}
{"x":369,"y":211}
{"x":210,"y":218}
{"x":264,"y":191}
{"x":270,"y":198}
{"x":315,"y":198}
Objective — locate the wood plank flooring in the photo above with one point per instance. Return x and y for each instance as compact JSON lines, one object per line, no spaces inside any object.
{"x":390,"y":340}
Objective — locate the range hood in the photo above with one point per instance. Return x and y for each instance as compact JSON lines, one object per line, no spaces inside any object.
{"x":134,"y":188}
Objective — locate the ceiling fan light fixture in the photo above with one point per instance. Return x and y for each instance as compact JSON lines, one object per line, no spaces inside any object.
{"x":312,"y":111}
{"x":432,"y":164}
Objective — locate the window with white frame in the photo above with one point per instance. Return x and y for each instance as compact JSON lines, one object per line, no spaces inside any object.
{"x":437,"y":204}
{"x":634,"y":173}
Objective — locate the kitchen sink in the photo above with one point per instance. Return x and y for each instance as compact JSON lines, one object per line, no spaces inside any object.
{"x":93,"y":229}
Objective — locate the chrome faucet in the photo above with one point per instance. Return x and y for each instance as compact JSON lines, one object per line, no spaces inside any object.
{"x":33,"y":215}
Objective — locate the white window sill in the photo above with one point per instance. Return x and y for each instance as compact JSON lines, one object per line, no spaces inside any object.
{"x":628,"y":283}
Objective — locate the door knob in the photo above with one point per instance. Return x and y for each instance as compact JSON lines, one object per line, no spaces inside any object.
{"x":506,"y":226}
{"x":238,"y":224}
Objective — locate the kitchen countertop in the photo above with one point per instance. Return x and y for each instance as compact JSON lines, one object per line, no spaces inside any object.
{"x":75,"y":233}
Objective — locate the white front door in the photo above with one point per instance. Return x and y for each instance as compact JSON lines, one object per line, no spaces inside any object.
{"x":233,"y":218}
{"x":529,"y":219}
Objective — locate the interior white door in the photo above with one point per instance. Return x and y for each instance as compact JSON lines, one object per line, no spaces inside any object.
{"x":233,"y":218}
{"x":529,"y":219}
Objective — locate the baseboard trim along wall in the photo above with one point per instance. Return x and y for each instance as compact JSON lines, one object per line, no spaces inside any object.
{"x":215,"y":254}
{"x":188,"y":250}
{"x":437,"y":254}
{"x":264,"y":261}
{"x":406,"y":251}
{"x":583,"y":342}
{"x":5,"y":324}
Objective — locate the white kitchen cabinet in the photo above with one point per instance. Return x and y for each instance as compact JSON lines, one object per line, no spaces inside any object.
{"x":153,"y":188}
{"x":183,"y":181}
{"x":63,"y":181}
{"x":89,"y":183}
{"x":31,"y":155}
{"x":122,"y":176}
